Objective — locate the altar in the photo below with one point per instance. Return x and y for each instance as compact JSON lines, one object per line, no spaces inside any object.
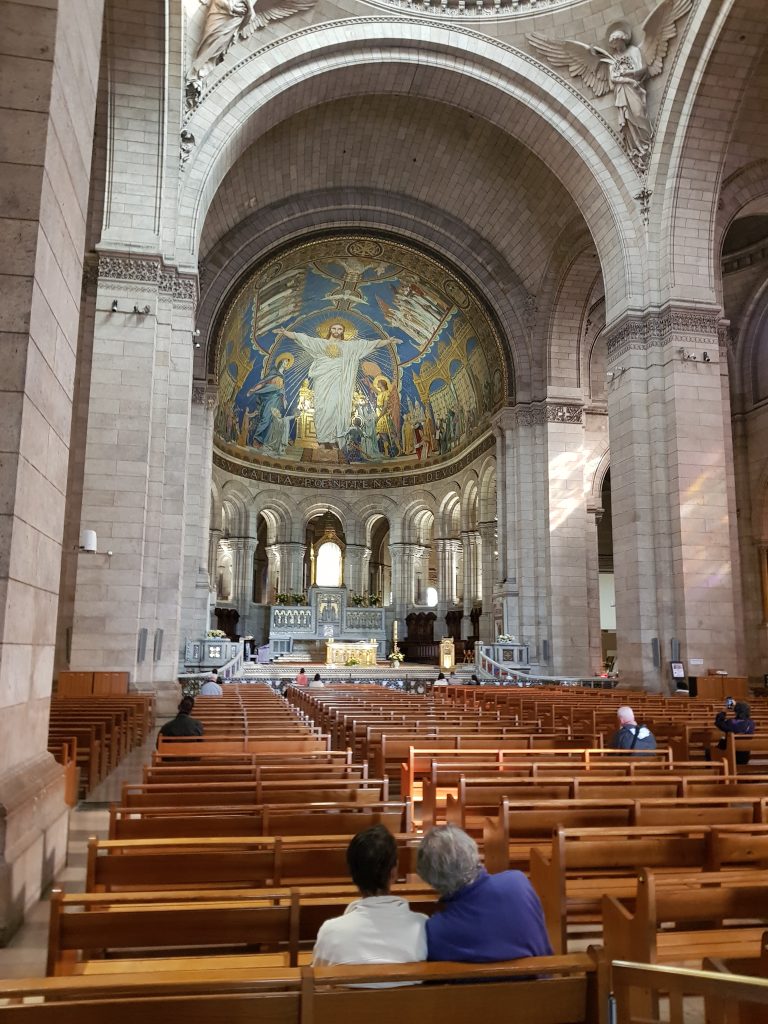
{"x":328,"y":615}
{"x":343,"y":652}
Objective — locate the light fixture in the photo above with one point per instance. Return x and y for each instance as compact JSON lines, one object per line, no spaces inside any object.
{"x":705,"y":357}
{"x":114,"y":305}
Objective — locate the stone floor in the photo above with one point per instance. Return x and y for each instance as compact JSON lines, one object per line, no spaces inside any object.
{"x":25,"y":955}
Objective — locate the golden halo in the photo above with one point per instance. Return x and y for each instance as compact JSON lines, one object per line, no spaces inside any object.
{"x":323,"y":328}
{"x":386,"y":380}
{"x":285,"y":359}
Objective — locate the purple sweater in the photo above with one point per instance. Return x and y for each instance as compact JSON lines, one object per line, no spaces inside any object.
{"x":496,"y":917}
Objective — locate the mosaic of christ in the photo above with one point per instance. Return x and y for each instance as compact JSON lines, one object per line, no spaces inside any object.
{"x":352,"y":350}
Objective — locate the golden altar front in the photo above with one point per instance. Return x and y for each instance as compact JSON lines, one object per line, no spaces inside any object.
{"x":342,"y":652}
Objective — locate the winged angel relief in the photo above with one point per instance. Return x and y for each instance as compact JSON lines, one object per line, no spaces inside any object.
{"x":229,"y":20}
{"x":624,"y":68}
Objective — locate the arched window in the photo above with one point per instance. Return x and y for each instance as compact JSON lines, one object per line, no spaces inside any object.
{"x":431,"y":597}
{"x":328,"y":565}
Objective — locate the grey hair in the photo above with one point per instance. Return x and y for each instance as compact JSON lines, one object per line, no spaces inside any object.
{"x":448,"y":859}
{"x":625,"y":714}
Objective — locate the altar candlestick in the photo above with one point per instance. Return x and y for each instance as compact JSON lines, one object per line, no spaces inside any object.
{"x":394,"y":631}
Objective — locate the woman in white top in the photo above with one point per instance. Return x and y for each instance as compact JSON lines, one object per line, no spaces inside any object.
{"x":379,"y":928}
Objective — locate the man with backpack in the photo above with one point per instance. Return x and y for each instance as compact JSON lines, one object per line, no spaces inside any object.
{"x":631,"y":736}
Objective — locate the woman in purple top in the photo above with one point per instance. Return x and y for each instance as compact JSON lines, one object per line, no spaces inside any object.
{"x":483,"y":918}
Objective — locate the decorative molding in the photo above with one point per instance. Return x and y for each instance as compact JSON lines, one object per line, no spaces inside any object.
{"x":564,"y":412}
{"x":475,"y":9}
{"x":352,"y":479}
{"x":660,"y":328}
{"x":149,"y":270}
{"x":539,"y":413}
{"x":478,"y":37}
{"x":205,"y":394}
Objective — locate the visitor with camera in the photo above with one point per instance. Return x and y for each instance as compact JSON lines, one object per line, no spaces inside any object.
{"x":741,"y":724}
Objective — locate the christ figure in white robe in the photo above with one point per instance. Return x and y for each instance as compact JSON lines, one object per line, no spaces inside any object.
{"x":333,"y":370}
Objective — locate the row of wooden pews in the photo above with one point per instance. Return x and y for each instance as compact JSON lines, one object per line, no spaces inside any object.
{"x":90,"y":735}
{"x":183,"y":915}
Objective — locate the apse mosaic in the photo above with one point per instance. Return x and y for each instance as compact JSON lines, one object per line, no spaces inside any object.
{"x":358,"y":352}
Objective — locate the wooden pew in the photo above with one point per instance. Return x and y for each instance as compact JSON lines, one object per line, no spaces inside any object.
{"x":140,"y":864}
{"x":732,"y":905}
{"x":584,"y":864}
{"x":104,"y":934}
{"x":637,"y":988}
{"x":180,"y":794}
{"x":543,"y":990}
{"x":257,"y":820}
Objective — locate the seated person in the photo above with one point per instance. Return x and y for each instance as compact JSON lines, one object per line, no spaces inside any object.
{"x":183,"y":724}
{"x":379,"y":928}
{"x":741,"y":724}
{"x":301,"y":679}
{"x":211,"y":687}
{"x":483,"y":917}
{"x":317,"y":682}
{"x":630,"y":735}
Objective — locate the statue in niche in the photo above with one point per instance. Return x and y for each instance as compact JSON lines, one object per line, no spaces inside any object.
{"x":624,"y":68}
{"x":229,"y":20}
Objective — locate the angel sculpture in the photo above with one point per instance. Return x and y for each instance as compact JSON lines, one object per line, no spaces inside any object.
{"x":230,"y":20}
{"x":624,"y":67}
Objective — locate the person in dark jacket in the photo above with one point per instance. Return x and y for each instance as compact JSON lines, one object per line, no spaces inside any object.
{"x":741,"y":724}
{"x":630,"y":735}
{"x":183,"y":724}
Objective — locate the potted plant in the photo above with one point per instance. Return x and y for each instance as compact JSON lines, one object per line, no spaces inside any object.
{"x":395,"y":657}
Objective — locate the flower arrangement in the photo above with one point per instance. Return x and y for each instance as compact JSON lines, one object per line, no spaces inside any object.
{"x":366,"y":600}
{"x":506,"y":638}
{"x":290,"y":598}
{"x":396,"y":655}
{"x":351,"y":661}
{"x":216,"y":634}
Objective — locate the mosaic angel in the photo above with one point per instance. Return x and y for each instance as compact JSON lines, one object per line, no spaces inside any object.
{"x":624,"y":68}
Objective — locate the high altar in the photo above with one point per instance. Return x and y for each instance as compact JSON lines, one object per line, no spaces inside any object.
{"x":341,"y":652}
{"x":328,"y":617}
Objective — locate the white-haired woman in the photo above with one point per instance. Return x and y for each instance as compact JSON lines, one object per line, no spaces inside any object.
{"x":484,"y":917}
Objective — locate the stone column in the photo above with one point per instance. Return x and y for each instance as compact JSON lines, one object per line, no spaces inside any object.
{"x":50,"y":65}
{"x":291,"y":567}
{"x":355,"y":561}
{"x":274,"y":580}
{"x":198,"y":538}
{"x":670,"y":493}
{"x":471,"y":591}
{"x":567,"y":563}
{"x":135,"y":475}
{"x":489,"y":573}
{"x":402,"y":581}
{"x":243,"y":549}
{"x":594,"y":515}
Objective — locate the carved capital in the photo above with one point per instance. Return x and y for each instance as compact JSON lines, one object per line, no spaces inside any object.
{"x":564,"y":412}
{"x":149,"y":271}
{"x":205,"y":394}
{"x":658,"y":328}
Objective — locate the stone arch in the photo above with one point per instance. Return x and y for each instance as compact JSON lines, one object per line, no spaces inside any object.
{"x":469,"y":504}
{"x":412,"y":516}
{"x":349,"y":58}
{"x":598,"y":477}
{"x":487,"y":490}
{"x":723,"y":44}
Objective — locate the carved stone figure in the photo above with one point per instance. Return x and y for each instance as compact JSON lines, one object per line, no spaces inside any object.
{"x":230,"y":20}
{"x":624,"y":68}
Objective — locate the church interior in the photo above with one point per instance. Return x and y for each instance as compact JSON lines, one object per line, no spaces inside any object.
{"x":422,"y":345}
